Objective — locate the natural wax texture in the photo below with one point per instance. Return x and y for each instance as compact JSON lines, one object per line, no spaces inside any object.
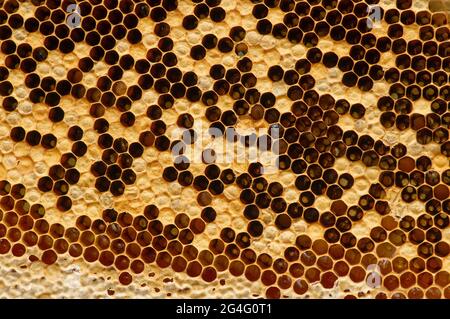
{"x":225,"y":149}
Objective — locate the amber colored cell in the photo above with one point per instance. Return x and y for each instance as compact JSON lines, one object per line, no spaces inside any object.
{"x":83,"y":222}
{"x":397,"y":237}
{"x":425,"y":280}
{"x":433,"y":293}
{"x":61,"y":246}
{"x":197,"y":225}
{"x":406,"y":164}
{"x":399,"y":264}
{"x":26,"y":223}
{"x":303,"y":242}
{"x":221,"y":262}
{"x":312,"y":275}
{"x":391,"y":282}
{"x":204,"y":199}
{"x":106,"y":258}
{"x":252,"y":273}
{"x":268,"y":277}
{"x":5,"y":246}
{"x":163,"y":259}
{"x":415,"y":293}
{"x":209,"y":274}
{"x":352,"y":256}
{"x":194,"y":269}
{"x":216,"y":246}
{"x":378,"y":234}
{"x":179,"y":264}
{"x":133,"y":250}
{"x":91,"y":254}
{"x":87,"y":238}
{"x":385,"y":250}
{"x":49,"y":257}
{"x":148,"y":255}
{"x":324,"y":263}
{"x":45,"y":242}
{"x":328,"y":280}
{"x":369,"y":259}
{"x":320,"y":247}
{"x":341,"y":268}
{"x":205,"y":257}
{"x":248,"y":256}
{"x":442,"y":278}
{"x":339,"y":207}
{"x":30,"y":238}
{"x":137,"y":266}
{"x":125,"y":278}
{"x":308,"y":258}
{"x":300,"y":286}
{"x":10,"y":219}
{"x":442,"y":249}
{"x":75,"y":250}
{"x":190,"y":252}
{"x":434,"y":264}
{"x":357,"y":274}
{"x":236,"y":268}
{"x":56,"y":230}
{"x":417,"y":265}
{"x":407,"y":279}
{"x":18,"y":250}
{"x":389,"y":223}
{"x":291,"y":254}
{"x":102,"y":242}
{"x":447,"y":292}
{"x":174,"y":247}
{"x":441,"y":192}
{"x":348,"y":240}
{"x":280,"y":265}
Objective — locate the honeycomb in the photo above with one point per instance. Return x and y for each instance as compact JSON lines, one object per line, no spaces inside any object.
{"x":208,"y":148}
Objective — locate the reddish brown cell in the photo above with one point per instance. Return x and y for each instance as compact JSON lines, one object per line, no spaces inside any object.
{"x":406,"y":164}
{"x":425,"y":279}
{"x":163,"y":259}
{"x":268,"y":277}
{"x":252,"y":272}
{"x":442,"y":278}
{"x":433,"y":293}
{"x":137,"y":266}
{"x":91,"y":254}
{"x":209,"y":274}
{"x":407,"y":279}
{"x":49,"y":257}
{"x":106,"y":258}
{"x":18,"y":250}
{"x":179,"y":264}
{"x":194,"y":269}
{"x":221,"y":262}
{"x":341,"y":268}
{"x":75,"y":250}
{"x":236,"y":268}
{"x":273,"y":293}
{"x":284,"y":282}
{"x":357,"y":274}
{"x":415,"y":293}
{"x":312,"y":275}
{"x":296,"y":270}
{"x":125,"y":278}
{"x":328,"y":279}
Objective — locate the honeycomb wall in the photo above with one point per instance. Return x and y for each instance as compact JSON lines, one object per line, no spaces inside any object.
{"x":114,"y":179}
